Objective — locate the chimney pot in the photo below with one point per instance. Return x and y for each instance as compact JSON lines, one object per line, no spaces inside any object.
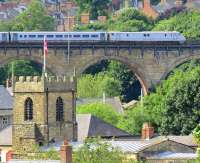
{"x":147,"y":131}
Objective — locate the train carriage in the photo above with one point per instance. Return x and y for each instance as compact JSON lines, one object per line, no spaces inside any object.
{"x":57,"y":36}
{"x":147,"y":36}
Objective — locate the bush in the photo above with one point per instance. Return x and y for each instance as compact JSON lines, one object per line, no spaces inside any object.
{"x":100,"y":110}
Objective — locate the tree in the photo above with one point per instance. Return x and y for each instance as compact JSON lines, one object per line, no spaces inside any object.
{"x":95,"y":8}
{"x":95,"y":86}
{"x":98,"y":151}
{"x":133,"y":119}
{"x":21,"y":68}
{"x":185,"y":22}
{"x":35,"y":18}
{"x":100,"y":110}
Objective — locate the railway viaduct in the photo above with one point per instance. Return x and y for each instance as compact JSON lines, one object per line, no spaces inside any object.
{"x":150,"y":63}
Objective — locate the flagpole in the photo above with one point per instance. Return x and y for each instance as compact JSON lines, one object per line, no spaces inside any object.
{"x":44,"y":53}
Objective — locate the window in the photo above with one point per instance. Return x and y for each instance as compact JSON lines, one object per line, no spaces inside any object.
{"x":59,"y":109}
{"x":94,"y":36}
{"x":77,"y":36}
{"x":28,"y":109}
{"x":20,"y":36}
{"x":40,"y":36}
{"x":59,"y":36}
{"x":86,"y":36}
{"x":50,"y":36}
{"x":32,"y":36}
{"x":5,"y":120}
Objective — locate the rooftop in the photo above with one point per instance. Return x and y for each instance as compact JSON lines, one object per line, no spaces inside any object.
{"x":6,"y":100}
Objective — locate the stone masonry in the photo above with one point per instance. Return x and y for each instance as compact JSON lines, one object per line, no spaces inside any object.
{"x":43,"y":128}
{"x":150,"y":63}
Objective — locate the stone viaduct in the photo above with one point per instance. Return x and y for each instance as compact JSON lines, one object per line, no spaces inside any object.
{"x":150,"y":63}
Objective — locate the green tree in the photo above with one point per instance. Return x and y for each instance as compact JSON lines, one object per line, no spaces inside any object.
{"x":100,"y":110}
{"x":35,"y":18}
{"x":187,"y":23}
{"x":95,"y":86}
{"x":95,"y":8}
{"x":21,"y":68}
{"x":98,"y":151}
{"x":133,"y":119}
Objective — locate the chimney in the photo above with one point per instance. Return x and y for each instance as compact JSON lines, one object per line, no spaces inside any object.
{"x":179,"y":3}
{"x":66,"y":153}
{"x":147,"y":131}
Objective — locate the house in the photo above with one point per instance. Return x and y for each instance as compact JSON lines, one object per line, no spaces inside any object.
{"x":6,"y":105}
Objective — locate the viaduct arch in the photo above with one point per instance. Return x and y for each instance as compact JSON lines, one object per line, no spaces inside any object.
{"x":150,"y":63}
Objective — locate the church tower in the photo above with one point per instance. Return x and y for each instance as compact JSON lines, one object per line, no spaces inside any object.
{"x":44,"y":111}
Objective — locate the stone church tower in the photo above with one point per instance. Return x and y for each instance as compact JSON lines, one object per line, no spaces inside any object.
{"x":44,"y":111}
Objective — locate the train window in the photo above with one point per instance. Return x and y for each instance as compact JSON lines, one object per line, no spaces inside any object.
{"x":165,"y":35}
{"x":148,"y":34}
{"x":66,"y":36}
{"x":144,"y":35}
{"x":112,"y":34}
{"x":86,"y":36}
{"x":40,"y":36}
{"x":25,"y":36}
{"x":94,"y":36}
{"x":20,"y":36}
{"x":32,"y":36}
{"x":50,"y":36}
{"x":59,"y":36}
{"x":76,"y":36}
{"x":127,"y":35}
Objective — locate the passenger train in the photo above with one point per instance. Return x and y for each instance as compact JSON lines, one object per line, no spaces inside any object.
{"x":26,"y":37}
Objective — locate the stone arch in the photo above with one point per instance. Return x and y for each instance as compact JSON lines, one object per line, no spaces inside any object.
{"x":137,"y":69}
{"x":177,"y":62}
{"x":35,"y":59}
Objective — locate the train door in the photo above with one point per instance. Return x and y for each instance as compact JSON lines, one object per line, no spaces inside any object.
{"x":15,"y":37}
{"x":102,"y":36}
{"x":4,"y":37}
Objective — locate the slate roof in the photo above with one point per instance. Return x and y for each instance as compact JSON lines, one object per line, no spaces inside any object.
{"x":6,"y":100}
{"x":91,"y":126}
{"x":162,"y":7}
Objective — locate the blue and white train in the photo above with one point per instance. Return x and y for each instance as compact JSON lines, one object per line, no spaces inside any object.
{"x":26,"y":37}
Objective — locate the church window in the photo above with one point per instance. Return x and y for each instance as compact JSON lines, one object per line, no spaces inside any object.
{"x":28,"y":113}
{"x":59,"y":109}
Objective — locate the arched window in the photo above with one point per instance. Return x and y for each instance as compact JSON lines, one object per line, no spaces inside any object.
{"x":59,"y":109}
{"x":28,"y":109}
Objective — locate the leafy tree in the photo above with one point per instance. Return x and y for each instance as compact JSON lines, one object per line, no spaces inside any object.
{"x":100,"y":110}
{"x":133,"y":119}
{"x":130,"y":20}
{"x":95,"y":8}
{"x":185,"y":22}
{"x":98,"y":151}
{"x":35,"y":18}
{"x":95,"y":86}
{"x":130,"y":85}
{"x":21,"y":68}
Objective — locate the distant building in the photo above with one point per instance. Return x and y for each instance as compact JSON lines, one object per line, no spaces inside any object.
{"x":6,"y":105}
{"x":166,"y":5}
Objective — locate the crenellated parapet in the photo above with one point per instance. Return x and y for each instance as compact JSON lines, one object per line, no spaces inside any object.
{"x":42,"y":83}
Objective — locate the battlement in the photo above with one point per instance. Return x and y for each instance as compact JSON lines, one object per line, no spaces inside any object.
{"x":42,"y":83}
